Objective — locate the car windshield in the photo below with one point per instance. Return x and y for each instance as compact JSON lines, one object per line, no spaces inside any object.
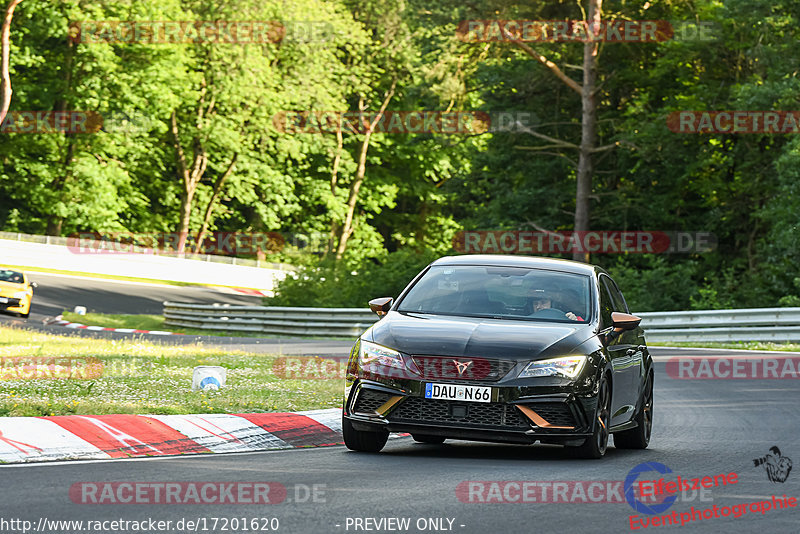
{"x":501,"y":292}
{"x":14,"y":277}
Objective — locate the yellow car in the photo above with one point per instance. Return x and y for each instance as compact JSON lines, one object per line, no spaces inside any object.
{"x":16,"y":292}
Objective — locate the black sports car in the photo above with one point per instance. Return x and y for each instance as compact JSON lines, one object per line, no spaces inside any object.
{"x":502,"y":349}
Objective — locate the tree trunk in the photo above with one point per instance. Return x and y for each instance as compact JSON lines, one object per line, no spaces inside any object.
{"x":5,"y":84}
{"x":334,"y":230}
{"x":588,"y":128}
{"x":210,"y":207}
{"x":189,"y":179}
{"x":347,"y":227}
{"x":187,"y":196}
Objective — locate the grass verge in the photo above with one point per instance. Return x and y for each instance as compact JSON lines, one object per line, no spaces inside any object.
{"x":137,"y":377}
{"x":148,"y":322}
{"x":156,"y":322}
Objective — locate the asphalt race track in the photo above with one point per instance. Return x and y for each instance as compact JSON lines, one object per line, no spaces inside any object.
{"x":57,"y":293}
{"x":702,"y":428}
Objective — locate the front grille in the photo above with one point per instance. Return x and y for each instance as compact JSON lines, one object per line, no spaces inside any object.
{"x":420,"y":410}
{"x":12,"y":302}
{"x":370,"y":400}
{"x":555,"y":413}
{"x":461,"y":368}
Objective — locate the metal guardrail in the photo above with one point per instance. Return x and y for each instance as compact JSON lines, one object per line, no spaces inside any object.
{"x":750,"y":324}
{"x":755,"y":324}
{"x":327,"y":322}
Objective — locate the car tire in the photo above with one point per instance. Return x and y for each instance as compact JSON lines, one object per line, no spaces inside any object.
{"x":595,"y":446}
{"x":425,"y":438}
{"x":639,"y":437}
{"x":361,"y":441}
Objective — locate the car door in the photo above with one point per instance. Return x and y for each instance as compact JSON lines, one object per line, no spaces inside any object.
{"x":625,"y":354}
{"x":619,"y":398}
{"x":637,"y":347}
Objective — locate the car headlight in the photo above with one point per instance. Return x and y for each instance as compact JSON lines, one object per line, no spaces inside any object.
{"x":20,"y":294}
{"x":370,"y":353}
{"x":568,"y":366}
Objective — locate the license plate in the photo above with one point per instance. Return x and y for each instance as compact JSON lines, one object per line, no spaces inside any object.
{"x":3,"y":300}
{"x":458,"y":392}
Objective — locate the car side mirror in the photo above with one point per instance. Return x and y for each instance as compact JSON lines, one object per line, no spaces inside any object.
{"x":34,"y":285}
{"x":620,"y":323}
{"x":625,"y":321}
{"x":381,"y":306}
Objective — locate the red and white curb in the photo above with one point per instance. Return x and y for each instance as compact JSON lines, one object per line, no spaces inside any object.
{"x":58,"y":321}
{"x":254,"y":292}
{"x":83,"y":437}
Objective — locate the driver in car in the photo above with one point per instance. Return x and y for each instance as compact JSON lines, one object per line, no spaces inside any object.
{"x":543,"y":300}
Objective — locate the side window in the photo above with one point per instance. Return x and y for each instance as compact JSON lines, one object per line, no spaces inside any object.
{"x":606,"y":306}
{"x":617,"y":300}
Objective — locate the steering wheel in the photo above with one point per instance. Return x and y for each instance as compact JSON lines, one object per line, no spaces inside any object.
{"x":550,"y":313}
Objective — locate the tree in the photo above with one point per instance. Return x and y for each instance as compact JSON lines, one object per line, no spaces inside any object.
{"x":5,"y":39}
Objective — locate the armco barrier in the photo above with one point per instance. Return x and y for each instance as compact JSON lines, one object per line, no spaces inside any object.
{"x":750,"y":324}
{"x":327,"y":322}
{"x":755,"y":324}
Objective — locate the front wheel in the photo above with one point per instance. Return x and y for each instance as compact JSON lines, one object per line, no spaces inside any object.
{"x":595,"y":446}
{"x":358,"y":440}
{"x":639,"y":437}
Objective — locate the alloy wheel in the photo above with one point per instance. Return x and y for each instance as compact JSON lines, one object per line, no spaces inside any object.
{"x":603,"y":416}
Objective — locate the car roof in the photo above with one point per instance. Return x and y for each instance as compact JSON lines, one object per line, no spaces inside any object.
{"x":532,"y":262}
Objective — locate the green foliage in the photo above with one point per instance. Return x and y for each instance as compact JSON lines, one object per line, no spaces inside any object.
{"x":419,"y":189}
{"x":331,"y":286}
{"x":651,"y":283}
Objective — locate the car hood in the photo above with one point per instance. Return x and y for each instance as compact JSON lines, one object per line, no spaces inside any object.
{"x":477,"y":337}
{"x":9,"y":289}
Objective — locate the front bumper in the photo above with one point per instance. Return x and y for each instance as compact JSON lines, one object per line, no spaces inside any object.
{"x":517,"y":414}
{"x":9,"y":303}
